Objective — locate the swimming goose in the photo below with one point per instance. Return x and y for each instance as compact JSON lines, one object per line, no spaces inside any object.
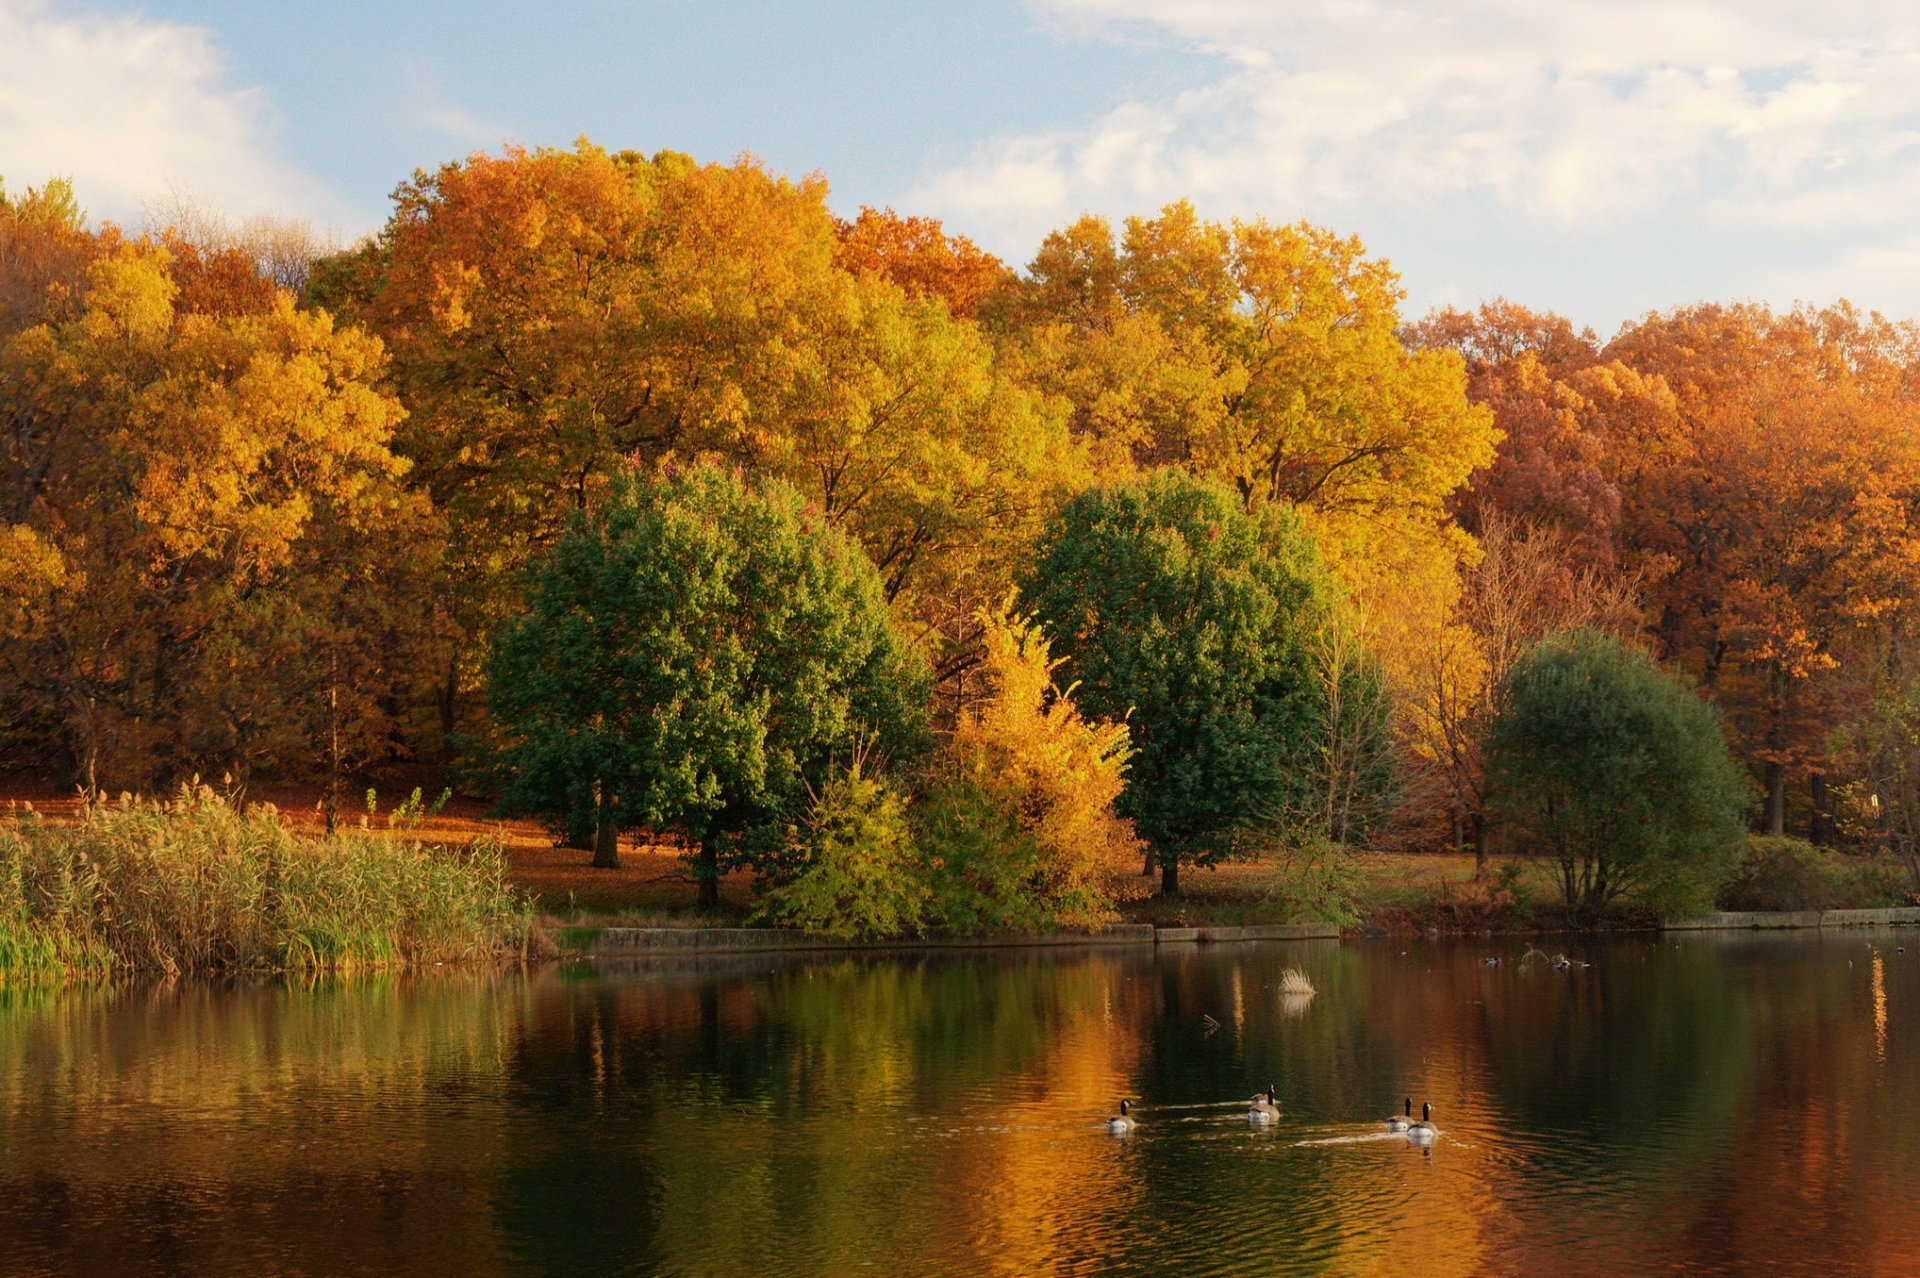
{"x":1398,"y":1123}
{"x":1424,"y":1130}
{"x":1121,"y":1124}
{"x":1266,"y":1106}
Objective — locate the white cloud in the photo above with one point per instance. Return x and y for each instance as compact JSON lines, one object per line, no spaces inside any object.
{"x":1569,"y":122}
{"x":132,"y":109}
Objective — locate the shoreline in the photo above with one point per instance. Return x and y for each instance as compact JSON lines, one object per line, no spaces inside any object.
{"x":672,"y":942}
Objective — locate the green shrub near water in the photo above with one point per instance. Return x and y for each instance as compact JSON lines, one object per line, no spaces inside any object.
{"x":859,"y":877}
{"x":202,"y":885}
{"x":1778,"y":873}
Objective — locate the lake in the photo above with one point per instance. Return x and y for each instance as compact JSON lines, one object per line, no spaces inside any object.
{"x":1731,"y":1103}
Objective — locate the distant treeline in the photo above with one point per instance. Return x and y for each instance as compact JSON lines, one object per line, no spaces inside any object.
{"x":270,"y":509}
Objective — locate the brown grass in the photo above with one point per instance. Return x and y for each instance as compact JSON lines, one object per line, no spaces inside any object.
{"x":651,"y":884}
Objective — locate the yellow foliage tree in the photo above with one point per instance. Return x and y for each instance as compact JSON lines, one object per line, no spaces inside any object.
{"x":182,"y":491}
{"x":1269,"y":357}
{"x":554,"y":314}
{"x":1021,"y":827}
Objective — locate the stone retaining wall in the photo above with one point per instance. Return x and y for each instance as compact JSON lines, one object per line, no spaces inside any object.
{"x":1766,"y":921}
{"x":637,"y":942}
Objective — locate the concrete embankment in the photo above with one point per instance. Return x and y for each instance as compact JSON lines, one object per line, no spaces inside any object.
{"x":1775,"y":920}
{"x":665,"y":942}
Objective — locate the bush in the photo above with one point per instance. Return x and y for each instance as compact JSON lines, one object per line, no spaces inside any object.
{"x":1319,"y":882}
{"x":1617,"y":772}
{"x":1781,"y":874}
{"x":200,"y":885}
{"x":1021,"y":828}
{"x":859,"y":874}
{"x":1791,"y":874}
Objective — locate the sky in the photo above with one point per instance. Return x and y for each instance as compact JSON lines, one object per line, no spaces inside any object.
{"x":1597,"y":159}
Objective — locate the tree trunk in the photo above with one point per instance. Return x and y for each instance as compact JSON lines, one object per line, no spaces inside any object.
{"x":606,"y":837}
{"x":707,"y":866}
{"x":1479,"y":845}
{"x":1169,"y":876}
{"x":449,"y":707}
{"x":1776,"y":799}
{"x":333,"y":742}
{"x":1821,"y":829}
{"x":1149,"y":862}
{"x":1459,"y":834}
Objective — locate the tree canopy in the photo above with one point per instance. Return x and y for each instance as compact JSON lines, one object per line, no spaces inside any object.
{"x":1617,"y":772}
{"x":1191,"y":619}
{"x":694,"y":654}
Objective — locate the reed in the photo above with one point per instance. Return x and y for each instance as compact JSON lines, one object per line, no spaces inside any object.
{"x":1294,"y":984}
{"x":202,"y":884}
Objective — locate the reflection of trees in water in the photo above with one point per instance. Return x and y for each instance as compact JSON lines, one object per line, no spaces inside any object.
{"x":839,"y":1111}
{"x":1720,"y":1099}
{"x":194,"y":1125}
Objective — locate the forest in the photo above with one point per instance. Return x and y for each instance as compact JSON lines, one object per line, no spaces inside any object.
{"x":644,"y":494}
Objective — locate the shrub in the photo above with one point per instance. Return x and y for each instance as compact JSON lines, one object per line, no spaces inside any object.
{"x":859,"y":875}
{"x":1021,"y":827}
{"x":1319,"y":882}
{"x":1617,"y":772}
{"x":1778,"y":873}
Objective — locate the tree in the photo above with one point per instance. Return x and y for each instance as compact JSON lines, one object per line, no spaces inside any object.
{"x":1774,"y":515}
{"x":1617,"y":772}
{"x":1020,"y":828}
{"x":920,"y":257}
{"x":45,"y":250}
{"x":1192,"y":620}
{"x":1528,"y":583}
{"x":1267,"y":357}
{"x":693,"y":656}
{"x":554,"y":314}
{"x":181,"y":495}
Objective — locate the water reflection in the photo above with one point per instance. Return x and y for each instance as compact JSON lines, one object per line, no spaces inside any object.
{"x":1715,"y":1104}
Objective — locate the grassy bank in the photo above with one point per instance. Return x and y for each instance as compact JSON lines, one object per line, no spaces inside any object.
{"x":202,"y":885}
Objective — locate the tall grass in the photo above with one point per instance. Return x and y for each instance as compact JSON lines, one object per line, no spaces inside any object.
{"x":202,"y":885}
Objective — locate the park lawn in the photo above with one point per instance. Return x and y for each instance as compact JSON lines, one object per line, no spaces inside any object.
{"x":652,"y":886}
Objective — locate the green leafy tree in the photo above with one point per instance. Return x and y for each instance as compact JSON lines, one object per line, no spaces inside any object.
{"x":1191,"y":619}
{"x":693,"y":656}
{"x":1611,"y":767}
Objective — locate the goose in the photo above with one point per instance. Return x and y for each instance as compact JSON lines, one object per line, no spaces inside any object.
{"x":1424,"y":1130}
{"x":1265,"y":1108}
{"x":1121,"y":1123}
{"x":1400,"y":1123}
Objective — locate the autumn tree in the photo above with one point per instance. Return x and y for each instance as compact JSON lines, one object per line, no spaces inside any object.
{"x":1020,"y":829}
{"x":918,"y":255}
{"x":1527,"y":583}
{"x":1267,"y":357}
{"x":45,"y":249}
{"x":554,"y":314}
{"x":1775,"y":517}
{"x":694,"y":655}
{"x":175,"y":488}
{"x":1191,"y":619}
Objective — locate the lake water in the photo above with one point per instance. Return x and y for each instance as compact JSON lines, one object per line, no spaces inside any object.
{"x":1710,"y":1104}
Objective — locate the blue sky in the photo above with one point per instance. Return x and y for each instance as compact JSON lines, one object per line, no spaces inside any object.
{"x":1596,"y":159}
